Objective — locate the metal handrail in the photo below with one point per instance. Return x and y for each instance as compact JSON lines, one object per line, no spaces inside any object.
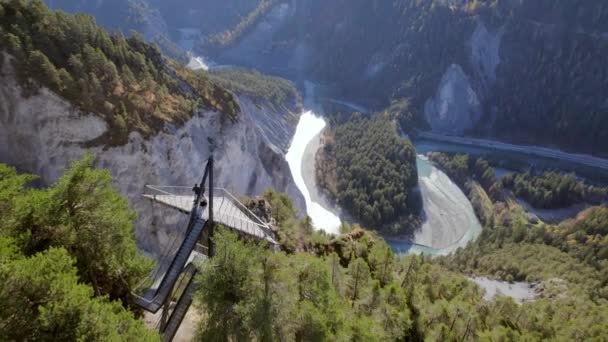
{"x":235,"y":201}
{"x":266,"y":229}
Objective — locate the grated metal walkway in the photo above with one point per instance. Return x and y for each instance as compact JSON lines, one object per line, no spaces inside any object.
{"x":227,"y":211}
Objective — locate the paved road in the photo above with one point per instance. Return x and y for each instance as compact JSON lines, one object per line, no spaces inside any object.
{"x":544,"y":152}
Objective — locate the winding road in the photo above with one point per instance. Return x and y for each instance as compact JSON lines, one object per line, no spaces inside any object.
{"x":536,"y":151}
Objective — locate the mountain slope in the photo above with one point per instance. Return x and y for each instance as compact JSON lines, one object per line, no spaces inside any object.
{"x":523,"y":71}
{"x":124,"y":80}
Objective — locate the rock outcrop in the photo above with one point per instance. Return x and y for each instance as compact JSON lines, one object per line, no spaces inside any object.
{"x":455,"y":107}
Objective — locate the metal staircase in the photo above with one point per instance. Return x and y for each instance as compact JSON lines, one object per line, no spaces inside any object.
{"x":182,"y":306}
{"x":156,"y":300}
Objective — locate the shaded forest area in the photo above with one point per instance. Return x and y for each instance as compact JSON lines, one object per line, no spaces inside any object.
{"x":546,"y":88}
{"x":233,"y":34}
{"x":553,"y":189}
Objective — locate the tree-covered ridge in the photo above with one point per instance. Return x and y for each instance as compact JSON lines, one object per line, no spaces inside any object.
{"x":462,"y":167}
{"x":126,"y":15}
{"x":125,"y":80}
{"x":371,"y":171}
{"x":232,"y":35}
{"x":553,"y":189}
{"x":68,"y":259}
{"x":276,"y":92}
{"x":546,"y":189}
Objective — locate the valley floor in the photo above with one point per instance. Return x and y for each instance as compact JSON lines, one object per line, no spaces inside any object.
{"x":448,"y":215}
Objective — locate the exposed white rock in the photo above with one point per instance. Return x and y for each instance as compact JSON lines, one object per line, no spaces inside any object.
{"x":519,"y":291}
{"x":455,"y":107}
{"x":42,"y":133}
{"x":485,"y":52}
{"x":278,"y":128}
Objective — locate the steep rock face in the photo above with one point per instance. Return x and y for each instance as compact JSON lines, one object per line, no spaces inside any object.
{"x":277,"y":128}
{"x":456,"y":107}
{"x":42,"y":133}
{"x":485,"y":52}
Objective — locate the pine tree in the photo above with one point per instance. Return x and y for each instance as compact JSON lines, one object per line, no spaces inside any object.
{"x":359,"y":277}
{"x":43,"y":299}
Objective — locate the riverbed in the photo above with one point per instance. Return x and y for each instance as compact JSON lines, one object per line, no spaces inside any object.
{"x":308,"y":129}
{"x":449,"y":221}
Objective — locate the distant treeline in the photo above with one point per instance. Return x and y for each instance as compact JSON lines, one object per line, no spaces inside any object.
{"x":553,"y":189}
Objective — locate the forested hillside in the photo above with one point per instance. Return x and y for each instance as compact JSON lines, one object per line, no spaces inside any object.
{"x":207,"y":17}
{"x":554,"y":190}
{"x":319,"y":287}
{"x":353,"y":287}
{"x":573,"y":254}
{"x":275,"y":92}
{"x":68,"y":259}
{"x":371,"y":172}
{"x":535,"y":68}
{"x":123,"y":79}
{"x":114,"y":14}
{"x":232,"y":35}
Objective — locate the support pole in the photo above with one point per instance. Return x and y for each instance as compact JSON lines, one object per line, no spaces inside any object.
{"x":165,"y":314}
{"x":210,"y":222}
{"x":199,"y":193}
